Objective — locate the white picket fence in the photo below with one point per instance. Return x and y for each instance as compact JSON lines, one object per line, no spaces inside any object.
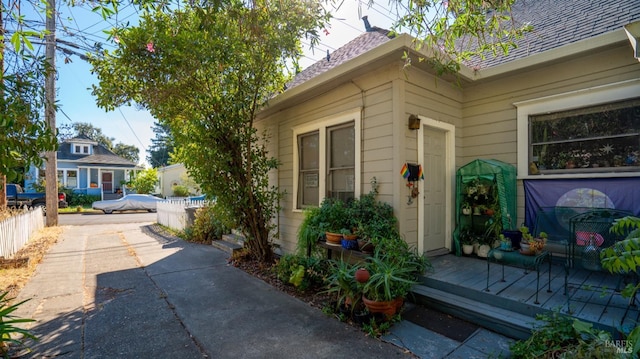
{"x":173,"y":214}
{"x":16,"y":231}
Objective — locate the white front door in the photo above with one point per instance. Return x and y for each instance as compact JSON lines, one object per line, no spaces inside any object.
{"x":437,"y":159}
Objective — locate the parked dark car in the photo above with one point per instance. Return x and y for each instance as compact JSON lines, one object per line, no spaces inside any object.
{"x":130,"y":202}
{"x":16,"y":197}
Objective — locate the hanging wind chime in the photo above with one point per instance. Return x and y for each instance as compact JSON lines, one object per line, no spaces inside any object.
{"x":412,"y":173}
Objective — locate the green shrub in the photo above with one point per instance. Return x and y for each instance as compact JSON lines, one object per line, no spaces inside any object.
{"x":561,"y":336}
{"x":302,"y":272}
{"x":371,"y":219}
{"x":81,"y":199}
{"x":210,"y":224}
{"x":180,"y":191}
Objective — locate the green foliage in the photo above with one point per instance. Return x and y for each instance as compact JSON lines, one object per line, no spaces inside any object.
{"x":79,"y":199}
{"x":8,"y":322}
{"x":394,"y":269}
{"x":372,"y":220}
{"x":161,"y":146}
{"x":623,"y":258}
{"x":21,"y":106}
{"x":129,"y":152}
{"x":460,"y":30}
{"x":561,"y":336}
{"x":342,"y":282}
{"x":204,"y":71}
{"x":145,"y":181}
{"x":303,"y":272}
{"x":180,"y":191}
{"x":210,"y":224}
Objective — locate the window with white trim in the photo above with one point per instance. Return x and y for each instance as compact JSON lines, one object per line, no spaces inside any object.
{"x":326,"y":163}
{"x":590,"y":139}
{"x":72,"y":179}
{"x":592,"y":132}
{"x":81,"y":149}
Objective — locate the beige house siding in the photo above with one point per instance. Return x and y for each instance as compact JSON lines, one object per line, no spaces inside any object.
{"x":433,"y":98}
{"x":373,"y":97}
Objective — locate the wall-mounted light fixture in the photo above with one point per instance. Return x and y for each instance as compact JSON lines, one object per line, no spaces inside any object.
{"x":414,"y":122}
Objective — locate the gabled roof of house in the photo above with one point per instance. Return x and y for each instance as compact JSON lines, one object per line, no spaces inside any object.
{"x":101,"y":155}
{"x":556,"y":23}
{"x":82,"y":138}
{"x":562,"y":22}
{"x":356,"y":47}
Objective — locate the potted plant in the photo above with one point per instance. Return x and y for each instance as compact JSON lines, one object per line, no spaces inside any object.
{"x":484,"y":248}
{"x":393,"y":270}
{"x":530,"y":245}
{"x":467,"y":239}
{"x":349,"y":240}
{"x":333,"y":217}
{"x":466,"y":208}
{"x":505,"y":243}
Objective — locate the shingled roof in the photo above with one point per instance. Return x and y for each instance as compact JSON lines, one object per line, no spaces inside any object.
{"x":101,"y":155}
{"x":356,"y":47}
{"x":561,"y":22}
{"x":555,"y":23}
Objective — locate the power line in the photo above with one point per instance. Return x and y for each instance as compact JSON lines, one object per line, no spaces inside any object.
{"x":132,"y":131}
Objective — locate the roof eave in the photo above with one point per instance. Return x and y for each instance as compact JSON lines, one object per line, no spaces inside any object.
{"x":339,"y":74}
{"x":609,"y":39}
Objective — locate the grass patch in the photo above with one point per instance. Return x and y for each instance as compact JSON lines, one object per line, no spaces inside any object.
{"x":78,"y":209}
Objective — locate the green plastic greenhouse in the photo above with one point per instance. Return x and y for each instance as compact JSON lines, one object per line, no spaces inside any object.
{"x":485,"y":198}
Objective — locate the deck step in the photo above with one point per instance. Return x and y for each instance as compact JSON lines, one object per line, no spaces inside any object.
{"x":503,"y":321}
{"x":229,"y":243}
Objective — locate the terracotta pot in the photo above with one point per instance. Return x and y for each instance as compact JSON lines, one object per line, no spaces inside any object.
{"x":334,"y":238}
{"x":365,"y":246}
{"x":388,"y":308}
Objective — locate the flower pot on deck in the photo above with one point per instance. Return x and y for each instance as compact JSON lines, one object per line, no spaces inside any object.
{"x":515,"y":236}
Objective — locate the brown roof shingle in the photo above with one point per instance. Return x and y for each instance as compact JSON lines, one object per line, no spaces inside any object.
{"x":351,"y":50}
{"x":556,"y":23}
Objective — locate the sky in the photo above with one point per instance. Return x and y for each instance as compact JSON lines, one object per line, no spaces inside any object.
{"x":131,"y":126}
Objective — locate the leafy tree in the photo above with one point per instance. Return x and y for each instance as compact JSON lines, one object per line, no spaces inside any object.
{"x":145,"y":181}
{"x":205,"y":71}
{"x":161,"y":146}
{"x":24,"y":133}
{"x":94,"y":133}
{"x":129,"y":152}
{"x":459,"y":30}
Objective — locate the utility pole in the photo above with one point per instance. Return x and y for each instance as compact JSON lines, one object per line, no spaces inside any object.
{"x":3,"y":178}
{"x":51,"y":171}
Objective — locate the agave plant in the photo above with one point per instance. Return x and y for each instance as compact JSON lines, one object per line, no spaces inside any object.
{"x":8,"y":328}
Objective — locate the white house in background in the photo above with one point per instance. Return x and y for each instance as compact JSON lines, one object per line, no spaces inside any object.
{"x":173,"y":175}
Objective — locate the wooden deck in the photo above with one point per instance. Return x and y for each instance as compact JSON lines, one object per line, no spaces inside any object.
{"x":592,"y":296}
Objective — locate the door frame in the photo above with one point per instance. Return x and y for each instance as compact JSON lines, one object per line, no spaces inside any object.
{"x":112,"y":179}
{"x":450,"y":171}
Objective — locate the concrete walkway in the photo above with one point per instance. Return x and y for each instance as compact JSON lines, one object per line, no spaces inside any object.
{"x":119,"y":291}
